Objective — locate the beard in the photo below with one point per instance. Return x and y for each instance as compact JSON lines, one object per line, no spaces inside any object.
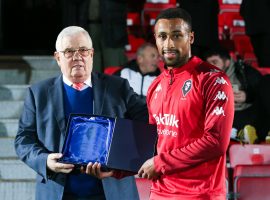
{"x":174,"y":61}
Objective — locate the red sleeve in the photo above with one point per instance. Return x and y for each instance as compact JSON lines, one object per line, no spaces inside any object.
{"x":217,"y":127}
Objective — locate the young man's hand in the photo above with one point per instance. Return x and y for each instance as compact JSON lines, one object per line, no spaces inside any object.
{"x":147,"y":170}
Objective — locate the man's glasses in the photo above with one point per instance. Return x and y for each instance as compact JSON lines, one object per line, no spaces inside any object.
{"x":68,"y":53}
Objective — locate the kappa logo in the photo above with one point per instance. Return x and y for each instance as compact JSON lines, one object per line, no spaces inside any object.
{"x":158,"y":89}
{"x":218,"y":111}
{"x":186,"y":87}
{"x":221,"y":80}
{"x":221,"y":96}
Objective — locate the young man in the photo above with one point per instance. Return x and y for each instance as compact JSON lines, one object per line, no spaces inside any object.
{"x":191,"y":103}
{"x":47,"y":106}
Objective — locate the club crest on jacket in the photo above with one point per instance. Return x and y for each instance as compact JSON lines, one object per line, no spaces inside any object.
{"x":186,"y":87}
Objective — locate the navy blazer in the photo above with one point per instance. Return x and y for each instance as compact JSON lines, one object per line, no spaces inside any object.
{"x":42,"y":130}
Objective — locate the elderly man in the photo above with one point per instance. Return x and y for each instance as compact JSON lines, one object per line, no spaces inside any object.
{"x":141,"y":71}
{"x":44,"y":118}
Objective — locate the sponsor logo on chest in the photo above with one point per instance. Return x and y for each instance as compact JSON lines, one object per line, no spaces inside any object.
{"x":166,"y":119}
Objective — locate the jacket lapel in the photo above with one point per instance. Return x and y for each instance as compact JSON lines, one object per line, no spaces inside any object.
{"x":55,"y":92}
{"x":99,"y":90}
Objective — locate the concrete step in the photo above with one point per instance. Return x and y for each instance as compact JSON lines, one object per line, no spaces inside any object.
{"x":10,"y":109}
{"x":17,"y":190}
{"x":41,"y":62}
{"x":14,"y":70}
{"x":28,"y":62}
{"x":23,"y":69}
{"x":14,"y":76}
{"x":7,"y":148}
{"x":13,"y":92}
{"x":38,"y":75}
{"x":15,"y":170}
{"x":19,"y":76}
{"x":8,"y":127}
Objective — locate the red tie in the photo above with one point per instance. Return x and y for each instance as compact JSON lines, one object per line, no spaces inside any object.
{"x":78,"y":86}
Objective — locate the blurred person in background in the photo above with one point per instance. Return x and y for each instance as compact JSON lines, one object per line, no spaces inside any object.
{"x":245,"y":82}
{"x":141,"y":71}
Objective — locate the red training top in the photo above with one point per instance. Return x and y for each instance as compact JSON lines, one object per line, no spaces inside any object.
{"x":193,"y":108}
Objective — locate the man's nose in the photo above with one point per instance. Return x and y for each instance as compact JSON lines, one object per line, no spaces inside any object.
{"x":76,"y":55}
{"x":169,"y":42}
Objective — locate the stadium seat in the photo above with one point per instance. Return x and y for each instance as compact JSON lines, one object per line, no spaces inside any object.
{"x":143,"y":186}
{"x":252,"y":188}
{"x":237,"y":30}
{"x":134,"y":43}
{"x":229,"y":5}
{"x":242,"y":45}
{"x":151,"y":10}
{"x":251,"y":170}
{"x":250,"y":58}
{"x":252,"y":182}
{"x":161,"y":1}
{"x":130,"y":55}
{"x":249,"y":154}
{"x":230,"y":23}
{"x":111,"y":70}
{"x":264,"y":70}
{"x":133,"y":19}
{"x":230,"y":19}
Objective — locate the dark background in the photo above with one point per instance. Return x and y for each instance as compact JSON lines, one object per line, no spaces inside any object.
{"x":29,"y":26}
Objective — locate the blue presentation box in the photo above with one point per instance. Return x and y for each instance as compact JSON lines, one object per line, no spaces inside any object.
{"x":116,"y":143}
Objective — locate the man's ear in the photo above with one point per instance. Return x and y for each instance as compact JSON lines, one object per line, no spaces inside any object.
{"x":92,"y":52}
{"x":57,"y":57}
{"x":191,"y":37}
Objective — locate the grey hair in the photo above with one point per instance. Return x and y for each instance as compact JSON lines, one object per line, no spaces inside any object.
{"x":141,"y":49}
{"x":70,"y":30}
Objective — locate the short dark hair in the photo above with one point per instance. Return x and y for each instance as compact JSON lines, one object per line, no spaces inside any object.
{"x":173,"y":13}
{"x":221,"y":52}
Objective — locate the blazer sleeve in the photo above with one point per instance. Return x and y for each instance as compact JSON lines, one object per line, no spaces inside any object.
{"x":27,"y":145}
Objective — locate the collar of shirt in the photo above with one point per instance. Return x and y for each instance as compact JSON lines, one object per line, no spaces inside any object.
{"x":87,"y":82}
